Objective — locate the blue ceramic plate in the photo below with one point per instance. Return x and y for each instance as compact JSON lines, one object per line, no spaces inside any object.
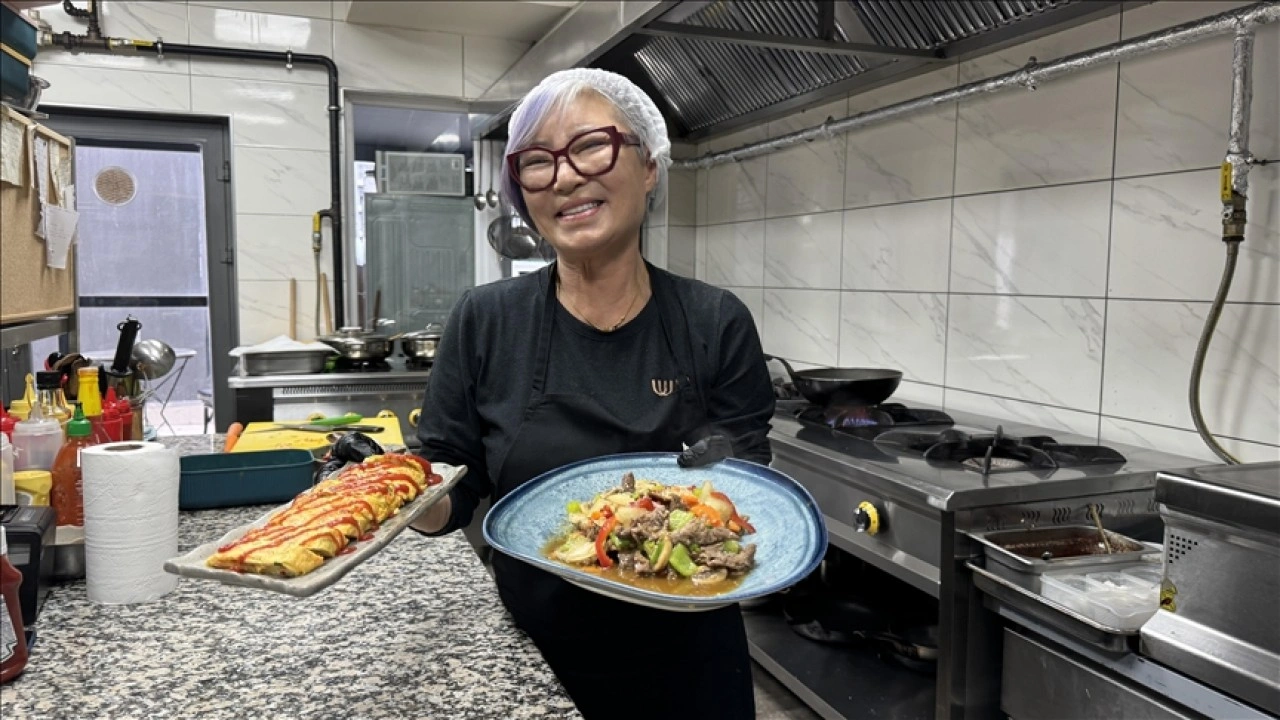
{"x":790,"y":535}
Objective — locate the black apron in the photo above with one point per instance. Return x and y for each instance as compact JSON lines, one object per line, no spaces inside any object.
{"x":616,"y":659}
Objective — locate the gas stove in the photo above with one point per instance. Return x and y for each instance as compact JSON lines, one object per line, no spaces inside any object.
{"x":347,"y":365}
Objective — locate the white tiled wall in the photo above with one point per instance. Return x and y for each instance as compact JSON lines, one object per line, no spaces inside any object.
{"x":1047,"y":256}
{"x":279,"y":122}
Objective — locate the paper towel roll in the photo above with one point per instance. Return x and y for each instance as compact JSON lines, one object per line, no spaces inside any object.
{"x":130,"y":520}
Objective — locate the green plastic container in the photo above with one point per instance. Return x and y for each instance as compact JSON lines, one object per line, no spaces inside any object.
{"x":239,"y":479}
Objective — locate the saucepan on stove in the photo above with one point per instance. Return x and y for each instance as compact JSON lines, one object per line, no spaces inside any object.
{"x":845,"y":386}
{"x":355,"y":343}
{"x":421,"y":344}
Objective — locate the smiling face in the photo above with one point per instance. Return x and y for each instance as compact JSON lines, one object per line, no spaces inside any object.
{"x":584,"y":216}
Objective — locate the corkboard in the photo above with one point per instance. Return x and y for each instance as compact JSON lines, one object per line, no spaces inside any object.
{"x":29,"y":288}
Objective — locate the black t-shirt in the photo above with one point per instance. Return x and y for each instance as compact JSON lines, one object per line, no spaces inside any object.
{"x":484,"y":367}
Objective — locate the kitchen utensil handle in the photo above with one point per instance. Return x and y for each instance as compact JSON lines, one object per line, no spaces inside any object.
{"x":785,"y":364}
{"x":124,"y":347}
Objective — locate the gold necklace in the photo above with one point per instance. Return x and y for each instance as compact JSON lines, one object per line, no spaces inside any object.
{"x":578,"y":313}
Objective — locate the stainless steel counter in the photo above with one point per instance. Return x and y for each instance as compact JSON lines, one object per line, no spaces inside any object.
{"x":394,"y":376}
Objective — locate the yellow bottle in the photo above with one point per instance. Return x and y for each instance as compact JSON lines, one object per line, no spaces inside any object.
{"x":21,"y":408}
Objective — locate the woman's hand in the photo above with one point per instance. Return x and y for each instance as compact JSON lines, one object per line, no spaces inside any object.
{"x":436,"y":517}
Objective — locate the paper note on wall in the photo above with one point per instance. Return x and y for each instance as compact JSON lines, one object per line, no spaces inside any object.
{"x":61,"y":168}
{"x":12,"y":145}
{"x":40,"y":151}
{"x":60,"y":231}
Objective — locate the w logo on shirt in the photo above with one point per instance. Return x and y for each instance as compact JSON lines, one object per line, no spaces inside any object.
{"x":662,"y":388}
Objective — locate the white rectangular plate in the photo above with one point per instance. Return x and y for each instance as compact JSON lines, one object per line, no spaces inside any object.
{"x":193,"y":565}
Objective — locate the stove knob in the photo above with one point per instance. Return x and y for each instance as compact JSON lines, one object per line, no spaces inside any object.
{"x":866,"y":518}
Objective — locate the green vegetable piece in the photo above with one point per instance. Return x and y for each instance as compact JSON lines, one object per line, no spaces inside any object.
{"x":652,"y":549}
{"x":678,"y":519}
{"x":621,"y":544}
{"x":681,"y":561}
{"x":732,"y":546}
{"x":694,"y":548}
{"x":574,"y":506}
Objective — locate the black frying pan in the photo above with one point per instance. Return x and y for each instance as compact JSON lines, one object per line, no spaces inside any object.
{"x":845,"y":386}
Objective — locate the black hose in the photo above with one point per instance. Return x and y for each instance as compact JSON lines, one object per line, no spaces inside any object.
{"x":1202,"y":350}
{"x":334,"y":211}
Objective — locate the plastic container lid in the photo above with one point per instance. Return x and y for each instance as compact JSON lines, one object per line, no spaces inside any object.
{"x":79,"y":425}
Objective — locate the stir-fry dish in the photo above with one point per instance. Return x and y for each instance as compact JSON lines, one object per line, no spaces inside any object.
{"x":682,"y":539}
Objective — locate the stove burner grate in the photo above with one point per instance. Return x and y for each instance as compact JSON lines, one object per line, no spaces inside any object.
{"x":998,"y":452}
{"x":348,"y":365}
{"x":853,"y":418}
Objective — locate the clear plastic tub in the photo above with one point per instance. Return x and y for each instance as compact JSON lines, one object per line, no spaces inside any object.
{"x":1120,"y":609}
{"x":1120,"y":581}
{"x":1148,"y":572}
{"x":1069,"y":591}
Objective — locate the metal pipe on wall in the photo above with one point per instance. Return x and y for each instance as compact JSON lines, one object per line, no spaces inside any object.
{"x":1241,"y":19}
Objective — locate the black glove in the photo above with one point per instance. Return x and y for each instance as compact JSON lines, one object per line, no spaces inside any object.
{"x":711,"y":449}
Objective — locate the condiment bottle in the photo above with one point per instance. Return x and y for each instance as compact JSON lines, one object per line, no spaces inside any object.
{"x":36,"y":441}
{"x":8,"y":494}
{"x":126,"y":418}
{"x":7,"y":422}
{"x":21,"y":407}
{"x":91,"y":403}
{"x":68,"y":481}
{"x":111,"y":417}
{"x":48,"y":385}
{"x":13,"y":638}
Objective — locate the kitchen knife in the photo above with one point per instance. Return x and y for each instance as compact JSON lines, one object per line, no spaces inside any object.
{"x":323,"y":428}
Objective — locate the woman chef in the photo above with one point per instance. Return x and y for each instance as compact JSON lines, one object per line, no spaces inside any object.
{"x":598,"y":353}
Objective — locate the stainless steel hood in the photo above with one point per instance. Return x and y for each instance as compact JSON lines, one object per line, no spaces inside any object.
{"x":717,"y":66}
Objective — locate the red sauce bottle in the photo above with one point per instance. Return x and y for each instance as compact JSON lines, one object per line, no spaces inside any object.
{"x":13,"y":638}
{"x":68,"y":482}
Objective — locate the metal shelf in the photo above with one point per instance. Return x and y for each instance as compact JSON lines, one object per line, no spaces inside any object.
{"x":27,"y":332}
{"x":837,"y":682}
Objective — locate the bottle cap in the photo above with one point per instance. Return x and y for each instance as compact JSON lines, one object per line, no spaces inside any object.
{"x":79,"y":426}
{"x":7,"y":422}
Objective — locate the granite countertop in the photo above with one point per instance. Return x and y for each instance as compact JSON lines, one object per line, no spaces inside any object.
{"x":415,"y":631}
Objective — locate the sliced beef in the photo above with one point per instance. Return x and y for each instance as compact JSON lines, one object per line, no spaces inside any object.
{"x":649,"y":526}
{"x":628,"y":483}
{"x":641,"y":564}
{"x":714,"y":556}
{"x":627,"y":560}
{"x":696,"y":531}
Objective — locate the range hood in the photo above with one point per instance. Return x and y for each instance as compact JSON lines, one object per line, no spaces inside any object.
{"x":718,"y":66}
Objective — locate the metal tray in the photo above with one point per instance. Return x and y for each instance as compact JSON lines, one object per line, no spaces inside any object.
{"x":300,"y":362}
{"x":1072,"y":547}
{"x":192,"y":564}
{"x":1017,"y":601}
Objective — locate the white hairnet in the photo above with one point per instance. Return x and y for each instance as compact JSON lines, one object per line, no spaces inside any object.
{"x":636,"y":110}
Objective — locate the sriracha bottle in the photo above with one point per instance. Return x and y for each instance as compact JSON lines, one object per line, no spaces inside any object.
{"x":13,"y":638}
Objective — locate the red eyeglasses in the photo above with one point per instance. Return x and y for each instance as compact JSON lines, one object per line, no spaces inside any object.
{"x":590,"y":153}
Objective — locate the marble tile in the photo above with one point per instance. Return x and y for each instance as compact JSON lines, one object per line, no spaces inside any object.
{"x":736,"y":191}
{"x":1167,"y":238}
{"x":1021,"y":139}
{"x":278,"y":247}
{"x":261,"y":31}
{"x":898,"y":247}
{"x":1043,"y":350}
{"x":1182,"y":442}
{"x":753,"y":298}
{"x":322,"y":9}
{"x":1175,"y":106}
{"x":909,"y":392}
{"x":398,"y":60}
{"x":735,"y":254}
{"x":1150,"y":346}
{"x":903,"y":331}
{"x":1046,"y":416}
{"x":682,"y":251}
{"x":269,"y":181}
{"x":141,"y":20}
{"x":267,"y":114}
{"x":807,"y":178}
{"x":264,"y":310}
{"x":655,"y":246}
{"x":803,"y":251}
{"x":910,"y":158}
{"x":1046,"y":241}
{"x":486,"y":59}
{"x":802,"y":325}
{"x":116,"y":89}
{"x":682,"y":197}
{"x":700,"y":254}
{"x":702,"y":180}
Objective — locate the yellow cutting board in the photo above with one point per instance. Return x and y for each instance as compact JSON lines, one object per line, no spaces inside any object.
{"x":316,"y":442}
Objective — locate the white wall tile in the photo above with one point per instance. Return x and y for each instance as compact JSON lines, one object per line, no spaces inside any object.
{"x":1175,"y":107}
{"x":484,"y":60}
{"x":655,"y":245}
{"x":753,"y":298}
{"x":735,"y":191}
{"x":135,"y":20}
{"x":270,"y":181}
{"x":802,"y":325}
{"x":260,"y":31}
{"x":803,"y":251}
{"x":1182,"y":442}
{"x":322,"y":9}
{"x":909,"y":392}
{"x":118,"y":89}
{"x":1052,"y":418}
{"x":1046,"y":241}
{"x":902,"y":331}
{"x":700,"y":251}
{"x":735,"y":254}
{"x":278,"y":247}
{"x":1043,"y":350}
{"x":1167,"y":238}
{"x":267,"y":114}
{"x":702,"y":181}
{"x":1026,"y":139}
{"x":264,"y":309}
{"x":898,"y":247}
{"x":1150,"y":346}
{"x":807,"y":178}
{"x":398,"y":60}
{"x":682,"y":258}
{"x":911,"y":158}
{"x":682,"y":197}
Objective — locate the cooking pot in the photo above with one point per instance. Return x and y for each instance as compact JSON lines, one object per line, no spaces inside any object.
{"x":355,"y":343}
{"x":421,"y":344}
{"x":843,"y":386}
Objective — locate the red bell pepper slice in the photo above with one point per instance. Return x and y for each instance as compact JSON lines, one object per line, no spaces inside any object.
{"x":603,"y":537}
{"x":644,"y":502}
{"x":734,"y":516}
